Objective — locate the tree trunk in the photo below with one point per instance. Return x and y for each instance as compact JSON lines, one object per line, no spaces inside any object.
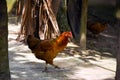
{"x":118,"y":58}
{"x":55,"y":6}
{"x":74,"y":16}
{"x":117,"y":77}
{"x":83,"y":25}
{"x":4,"y":63}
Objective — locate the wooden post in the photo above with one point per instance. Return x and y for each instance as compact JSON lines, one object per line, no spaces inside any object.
{"x":83,"y":25}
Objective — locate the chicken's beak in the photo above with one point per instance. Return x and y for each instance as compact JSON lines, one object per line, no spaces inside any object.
{"x":70,"y":37}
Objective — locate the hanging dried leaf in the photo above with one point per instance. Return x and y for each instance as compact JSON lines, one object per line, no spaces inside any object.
{"x":48,"y":23}
{"x":42,"y":21}
{"x":26,"y":21}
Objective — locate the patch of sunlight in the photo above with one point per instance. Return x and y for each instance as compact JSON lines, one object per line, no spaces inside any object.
{"x":72,"y":45}
{"x":23,"y":58}
{"x":107,"y":53}
{"x":106,"y":35}
{"x":14,"y":76}
{"x":60,"y":58}
{"x":91,"y":74}
{"x":83,"y":37}
{"x":19,"y":58}
{"x":107,"y":64}
{"x":13,"y":27}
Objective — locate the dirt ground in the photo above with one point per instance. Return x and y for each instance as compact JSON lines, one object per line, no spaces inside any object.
{"x":99,"y":64}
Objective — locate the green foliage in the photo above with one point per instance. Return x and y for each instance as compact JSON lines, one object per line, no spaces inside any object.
{"x":10,"y":4}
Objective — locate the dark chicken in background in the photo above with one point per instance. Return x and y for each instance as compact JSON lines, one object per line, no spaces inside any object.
{"x":96,"y":27}
{"x":48,"y":49}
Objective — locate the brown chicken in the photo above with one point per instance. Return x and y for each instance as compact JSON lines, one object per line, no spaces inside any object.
{"x":96,"y":27}
{"x":48,"y":49}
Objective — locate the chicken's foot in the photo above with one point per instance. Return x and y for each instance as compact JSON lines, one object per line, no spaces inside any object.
{"x":46,"y":69}
{"x":56,"y":66}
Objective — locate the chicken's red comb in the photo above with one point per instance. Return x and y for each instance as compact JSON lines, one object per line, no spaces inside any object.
{"x":70,"y":34}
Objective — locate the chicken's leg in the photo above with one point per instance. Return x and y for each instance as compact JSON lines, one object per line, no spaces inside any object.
{"x":52,"y":65}
{"x":46,"y":67}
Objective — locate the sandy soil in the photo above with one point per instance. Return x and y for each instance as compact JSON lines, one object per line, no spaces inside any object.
{"x":24,"y":66}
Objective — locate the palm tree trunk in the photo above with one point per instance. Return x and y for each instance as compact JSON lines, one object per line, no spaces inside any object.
{"x":117,"y":77}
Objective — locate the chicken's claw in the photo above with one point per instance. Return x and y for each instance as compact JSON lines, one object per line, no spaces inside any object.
{"x":56,"y":67}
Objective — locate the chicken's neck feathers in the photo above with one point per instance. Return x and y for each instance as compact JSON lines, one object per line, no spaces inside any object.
{"x":62,"y":41}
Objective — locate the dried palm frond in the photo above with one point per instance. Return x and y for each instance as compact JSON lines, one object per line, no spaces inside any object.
{"x":27,"y":20}
{"x":47,"y":26}
{"x":48,"y":21}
